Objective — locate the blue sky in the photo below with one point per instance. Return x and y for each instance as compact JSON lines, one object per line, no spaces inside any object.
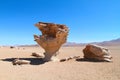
{"x":88,"y":20}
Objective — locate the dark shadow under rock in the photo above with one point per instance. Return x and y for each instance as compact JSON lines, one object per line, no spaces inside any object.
{"x":89,"y":60}
{"x":33,"y":61}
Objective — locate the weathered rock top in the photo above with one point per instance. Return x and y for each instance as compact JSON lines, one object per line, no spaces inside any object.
{"x":51,"y":29}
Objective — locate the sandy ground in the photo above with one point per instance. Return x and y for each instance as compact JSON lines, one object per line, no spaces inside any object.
{"x":69,"y":70}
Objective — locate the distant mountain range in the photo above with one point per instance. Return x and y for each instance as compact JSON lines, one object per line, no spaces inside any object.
{"x":115,"y":42}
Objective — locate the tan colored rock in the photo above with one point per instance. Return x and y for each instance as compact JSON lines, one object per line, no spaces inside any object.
{"x":52,"y":38}
{"x":69,"y":58}
{"x":12,"y":47}
{"x":36,"y":55}
{"x":62,"y":60}
{"x":95,"y":52}
{"x":20,"y":62}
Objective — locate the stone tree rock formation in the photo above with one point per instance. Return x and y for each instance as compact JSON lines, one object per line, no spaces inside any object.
{"x":95,"y":52}
{"x":52,"y":38}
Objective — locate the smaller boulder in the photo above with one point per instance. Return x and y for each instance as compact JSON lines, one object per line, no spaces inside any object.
{"x":97,"y":53}
{"x":17,"y":61}
{"x":36,"y":55}
{"x":11,"y":47}
{"x":62,"y":60}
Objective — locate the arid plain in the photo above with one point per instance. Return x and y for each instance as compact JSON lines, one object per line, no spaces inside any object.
{"x":68,"y":70}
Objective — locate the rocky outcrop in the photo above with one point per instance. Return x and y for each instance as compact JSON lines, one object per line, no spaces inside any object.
{"x":95,"y":52}
{"x":53,"y":36}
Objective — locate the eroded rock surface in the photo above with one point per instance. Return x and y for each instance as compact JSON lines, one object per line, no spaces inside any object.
{"x":95,"y":52}
{"x":53,"y":36}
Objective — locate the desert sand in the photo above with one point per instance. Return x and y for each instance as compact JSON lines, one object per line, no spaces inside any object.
{"x":68,"y":70}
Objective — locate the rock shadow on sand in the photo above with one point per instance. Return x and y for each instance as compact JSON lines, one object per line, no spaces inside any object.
{"x":33,"y":61}
{"x":89,"y":60}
